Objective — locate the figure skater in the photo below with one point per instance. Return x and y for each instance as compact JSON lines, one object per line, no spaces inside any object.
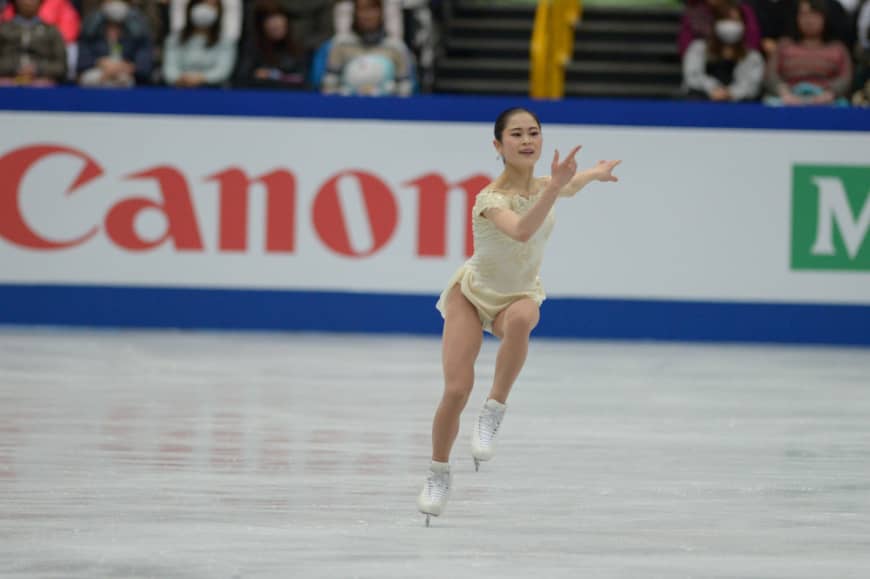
{"x":498,"y":290}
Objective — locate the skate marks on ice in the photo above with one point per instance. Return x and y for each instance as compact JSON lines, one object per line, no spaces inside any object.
{"x":165,"y":454}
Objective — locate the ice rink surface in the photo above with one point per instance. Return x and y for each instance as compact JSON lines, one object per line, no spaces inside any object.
{"x":244,"y":455}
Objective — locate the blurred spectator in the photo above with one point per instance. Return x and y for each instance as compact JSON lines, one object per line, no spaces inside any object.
{"x":723,"y":68}
{"x":366,"y":61}
{"x":697,"y":23}
{"x":115,"y":47}
{"x":231,"y":18}
{"x":862,"y":56}
{"x":811,"y":67}
{"x":197,"y":56}
{"x":272,"y":58}
{"x":31,"y":51}
{"x":863,"y":26}
{"x":850,"y":6}
{"x":58,"y":13}
{"x":152,"y":10}
{"x":776,"y":18}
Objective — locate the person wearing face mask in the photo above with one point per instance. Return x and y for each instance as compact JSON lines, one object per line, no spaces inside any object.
{"x":151,"y":10}
{"x":367,"y":61}
{"x":723,"y":68}
{"x":197,"y":56}
{"x":232,"y":15}
{"x":810,"y":67}
{"x":272,"y":59}
{"x":32,"y":53}
{"x":115,"y":48}
{"x":699,"y":15}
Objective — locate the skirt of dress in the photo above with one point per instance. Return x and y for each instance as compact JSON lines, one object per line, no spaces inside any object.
{"x":487,"y":301}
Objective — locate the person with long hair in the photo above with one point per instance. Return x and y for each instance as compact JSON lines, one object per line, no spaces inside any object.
{"x":272,"y":58}
{"x":198,"y":56}
{"x":722,"y":67}
{"x":810,"y":67}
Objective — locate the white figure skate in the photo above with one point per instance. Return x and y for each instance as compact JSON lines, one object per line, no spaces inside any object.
{"x":485,"y":430}
{"x":436,"y":490}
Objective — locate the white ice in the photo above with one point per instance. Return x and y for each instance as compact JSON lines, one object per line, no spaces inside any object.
{"x":245,"y":455}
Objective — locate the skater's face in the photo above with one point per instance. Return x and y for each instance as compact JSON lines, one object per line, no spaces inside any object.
{"x":521,"y":141}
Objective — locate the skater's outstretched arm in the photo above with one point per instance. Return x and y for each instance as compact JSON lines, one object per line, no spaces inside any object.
{"x":522,"y":228}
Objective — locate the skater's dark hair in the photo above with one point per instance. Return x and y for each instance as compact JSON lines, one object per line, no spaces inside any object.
{"x":505,"y":116}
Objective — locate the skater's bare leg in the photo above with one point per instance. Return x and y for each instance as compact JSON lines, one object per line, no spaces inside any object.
{"x":513,"y":325}
{"x":461,"y":341}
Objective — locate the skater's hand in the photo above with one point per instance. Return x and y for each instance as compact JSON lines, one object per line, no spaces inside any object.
{"x":603,"y":171}
{"x":562,"y":173}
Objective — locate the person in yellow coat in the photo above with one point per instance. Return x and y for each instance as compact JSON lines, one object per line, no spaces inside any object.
{"x":498,"y":290}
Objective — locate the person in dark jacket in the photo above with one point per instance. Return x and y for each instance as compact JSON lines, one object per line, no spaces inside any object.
{"x":115,"y":47}
{"x":31,"y":51}
{"x":272,"y":58}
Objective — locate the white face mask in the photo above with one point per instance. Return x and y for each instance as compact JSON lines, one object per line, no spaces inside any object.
{"x":729,"y":31}
{"x":203,"y":15}
{"x":116,"y":11}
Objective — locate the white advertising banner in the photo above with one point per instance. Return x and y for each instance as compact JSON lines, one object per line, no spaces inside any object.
{"x":377,"y":206}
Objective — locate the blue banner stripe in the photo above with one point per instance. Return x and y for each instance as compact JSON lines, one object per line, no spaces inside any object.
{"x":134,"y":307}
{"x":436,"y":108}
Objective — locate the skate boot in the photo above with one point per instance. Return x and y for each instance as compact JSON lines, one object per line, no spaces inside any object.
{"x":436,"y":490}
{"x":485,"y":431}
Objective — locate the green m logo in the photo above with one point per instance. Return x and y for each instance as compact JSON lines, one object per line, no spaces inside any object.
{"x":830,"y":217}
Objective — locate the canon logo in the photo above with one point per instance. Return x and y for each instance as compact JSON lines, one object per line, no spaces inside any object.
{"x":282,"y":218}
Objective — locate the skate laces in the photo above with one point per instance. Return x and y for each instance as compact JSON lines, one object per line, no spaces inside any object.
{"x":487,"y":425}
{"x":438,"y":485}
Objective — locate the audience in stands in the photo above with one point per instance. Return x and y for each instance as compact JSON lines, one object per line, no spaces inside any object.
{"x":811,"y":47}
{"x":115,"y":48}
{"x":152,"y":10}
{"x":698,"y":18}
{"x":810,"y":67}
{"x":366,"y":60}
{"x":775,"y":18}
{"x":32,"y":52}
{"x":723,"y":67}
{"x":197,"y":55}
{"x":272,"y":58}
{"x":58,"y":13}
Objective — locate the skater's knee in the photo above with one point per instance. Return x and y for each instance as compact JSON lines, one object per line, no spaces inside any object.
{"x":521,"y":321}
{"x":456,"y":394}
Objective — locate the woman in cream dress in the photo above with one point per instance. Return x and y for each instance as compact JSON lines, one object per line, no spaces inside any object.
{"x":498,"y":289}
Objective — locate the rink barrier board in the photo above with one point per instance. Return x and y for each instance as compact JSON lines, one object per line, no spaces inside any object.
{"x":327,"y":311}
{"x":330,"y":311}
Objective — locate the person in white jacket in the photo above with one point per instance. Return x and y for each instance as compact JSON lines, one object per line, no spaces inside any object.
{"x":862,"y":56}
{"x":721,"y":67}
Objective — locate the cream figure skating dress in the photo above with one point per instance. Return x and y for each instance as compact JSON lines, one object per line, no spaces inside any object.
{"x":502,"y":270}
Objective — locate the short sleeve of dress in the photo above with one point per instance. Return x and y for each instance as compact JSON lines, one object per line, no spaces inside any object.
{"x":487,"y":199}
